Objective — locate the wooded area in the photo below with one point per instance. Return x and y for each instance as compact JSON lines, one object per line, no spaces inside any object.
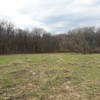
{"x":15,"y":40}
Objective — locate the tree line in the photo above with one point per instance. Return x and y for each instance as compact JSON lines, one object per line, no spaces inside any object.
{"x":17,"y":41}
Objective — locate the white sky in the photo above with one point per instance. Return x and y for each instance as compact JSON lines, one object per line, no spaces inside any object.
{"x":52,"y":15}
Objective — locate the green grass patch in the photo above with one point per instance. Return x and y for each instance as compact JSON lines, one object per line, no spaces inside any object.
{"x":50,"y":77}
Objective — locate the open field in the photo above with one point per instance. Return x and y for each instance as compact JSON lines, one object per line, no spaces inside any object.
{"x":50,"y":77}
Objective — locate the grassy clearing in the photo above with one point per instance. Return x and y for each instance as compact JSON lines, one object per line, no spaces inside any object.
{"x":50,"y":77}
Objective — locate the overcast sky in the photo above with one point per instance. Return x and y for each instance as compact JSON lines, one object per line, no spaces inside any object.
{"x":52,"y":15}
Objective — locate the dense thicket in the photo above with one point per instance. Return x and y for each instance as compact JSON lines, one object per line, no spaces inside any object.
{"x":81,"y":40}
